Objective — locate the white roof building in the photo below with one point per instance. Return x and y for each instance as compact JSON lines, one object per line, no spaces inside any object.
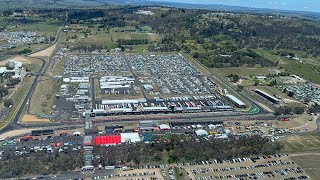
{"x":130,"y":137}
{"x":120,"y":101}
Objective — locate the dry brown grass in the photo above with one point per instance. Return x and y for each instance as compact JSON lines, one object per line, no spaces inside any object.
{"x":16,"y":58}
{"x":15,"y":133}
{"x":27,"y":118}
{"x":45,"y":53}
{"x":44,"y":95}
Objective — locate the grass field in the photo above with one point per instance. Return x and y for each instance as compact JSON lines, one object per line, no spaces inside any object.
{"x":302,"y":143}
{"x":306,"y":71}
{"x":33,"y":119}
{"x":48,"y":28}
{"x":106,"y":38}
{"x":305,"y":151}
{"x":17,"y":98}
{"x":58,"y":68}
{"x":310,"y":163}
{"x":242,"y":71}
{"x":43,"y":97}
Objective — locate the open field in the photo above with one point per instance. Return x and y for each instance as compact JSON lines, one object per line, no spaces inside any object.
{"x":45,"y":53}
{"x":99,"y":39}
{"x":305,"y":69}
{"x":43,"y":97}
{"x":16,"y":133}
{"x":310,"y":163}
{"x":48,"y":28}
{"x":242,"y":71}
{"x":22,"y":59}
{"x":296,"y":123}
{"x":302,"y":143}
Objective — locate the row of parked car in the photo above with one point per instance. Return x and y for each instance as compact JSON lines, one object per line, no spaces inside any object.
{"x":235,"y":160}
{"x":258,"y":175}
{"x":122,"y":176}
{"x":210,"y":170}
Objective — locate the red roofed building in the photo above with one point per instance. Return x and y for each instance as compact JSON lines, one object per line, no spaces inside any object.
{"x":107,"y":140}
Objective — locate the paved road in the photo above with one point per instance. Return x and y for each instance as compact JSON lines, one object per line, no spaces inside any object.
{"x":93,"y":94}
{"x":14,"y":123}
{"x":135,"y":77}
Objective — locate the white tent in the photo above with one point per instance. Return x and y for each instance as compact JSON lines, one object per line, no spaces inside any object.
{"x":164,"y":127}
{"x":201,"y":132}
{"x":130,"y":137}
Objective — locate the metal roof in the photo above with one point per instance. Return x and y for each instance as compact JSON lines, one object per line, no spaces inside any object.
{"x":235,"y":100}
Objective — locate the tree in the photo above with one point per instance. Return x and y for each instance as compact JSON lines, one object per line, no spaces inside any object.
{"x":298,"y":110}
{"x":8,"y":102}
{"x":12,"y":81}
{"x":273,"y":83}
{"x":287,"y":109}
{"x":278,"y":111}
{"x":290,"y":93}
{"x":240,"y":88}
{"x":3,"y":91}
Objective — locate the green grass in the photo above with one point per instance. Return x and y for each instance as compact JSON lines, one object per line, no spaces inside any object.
{"x":310,"y":163}
{"x":32,"y":67}
{"x":305,"y":71}
{"x":44,"y":96}
{"x":107,"y":39}
{"x":58,"y":68}
{"x":17,"y":98}
{"x":308,"y":143}
{"x":242,"y":71}
{"x":44,"y":28}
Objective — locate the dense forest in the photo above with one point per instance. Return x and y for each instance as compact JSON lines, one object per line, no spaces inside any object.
{"x":176,"y":151}
{"x":12,"y":165}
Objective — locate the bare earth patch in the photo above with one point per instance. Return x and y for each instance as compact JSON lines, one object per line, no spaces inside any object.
{"x":44,"y":53}
{"x":16,"y":58}
{"x":15,"y":133}
{"x":27,"y":118}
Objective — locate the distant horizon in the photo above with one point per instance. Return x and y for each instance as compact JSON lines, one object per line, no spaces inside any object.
{"x":291,"y":5}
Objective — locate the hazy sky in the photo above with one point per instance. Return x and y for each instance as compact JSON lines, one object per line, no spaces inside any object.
{"x":300,"y":5}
